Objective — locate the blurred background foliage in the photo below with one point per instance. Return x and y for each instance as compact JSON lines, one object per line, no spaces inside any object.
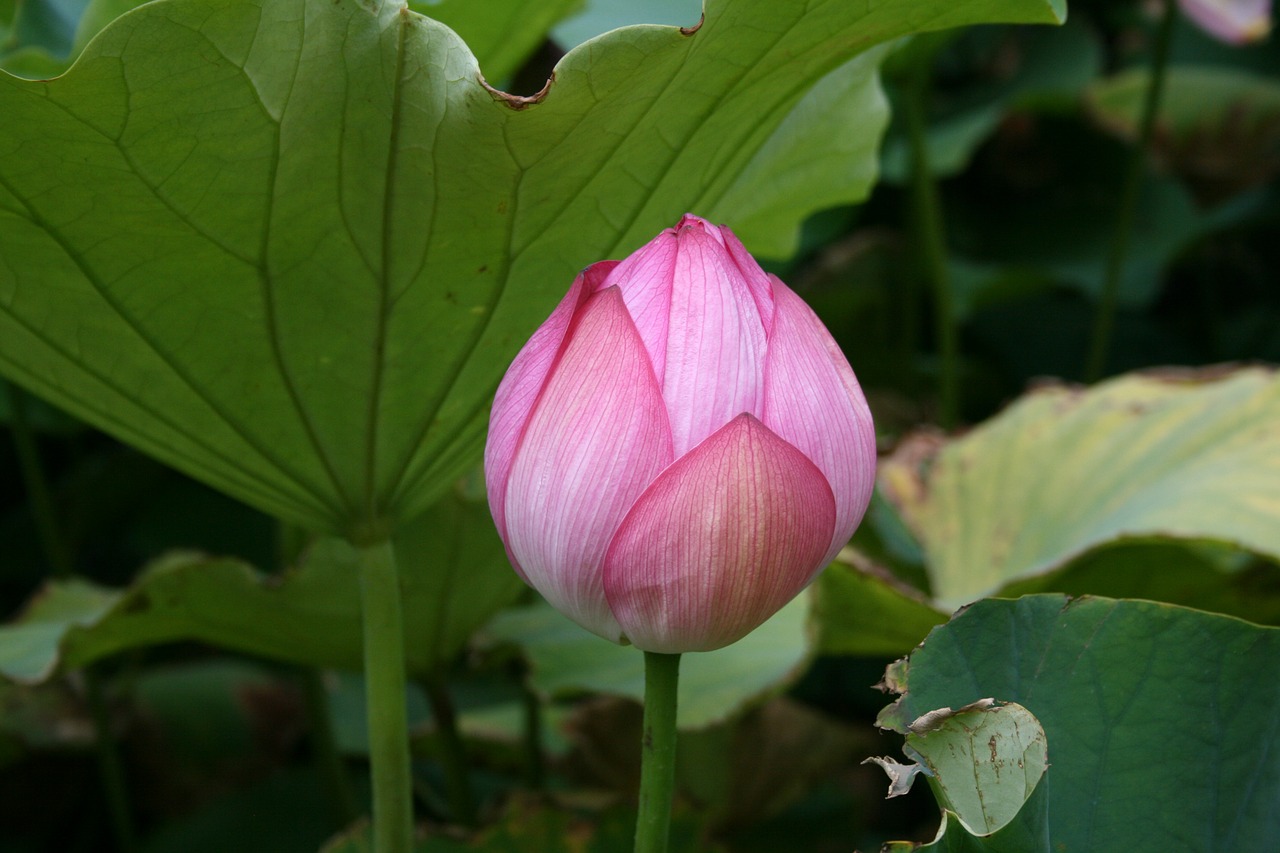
{"x":203,"y":653}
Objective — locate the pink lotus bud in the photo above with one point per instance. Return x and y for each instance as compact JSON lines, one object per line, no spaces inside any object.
{"x":1232,"y":21}
{"x":680,"y":448}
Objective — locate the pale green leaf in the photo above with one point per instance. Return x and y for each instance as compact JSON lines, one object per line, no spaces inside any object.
{"x":1065,"y":470}
{"x":454,"y":574}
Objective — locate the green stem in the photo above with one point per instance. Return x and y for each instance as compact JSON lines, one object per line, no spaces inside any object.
{"x":452,"y":754}
{"x":931,"y":242}
{"x":658,"y":752}
{"x":1104,"y":321}
{"x":328,"y":762}
{"x":385,"y":700}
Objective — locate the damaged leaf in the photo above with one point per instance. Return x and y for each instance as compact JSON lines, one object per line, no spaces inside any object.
{"x":982,"y":761}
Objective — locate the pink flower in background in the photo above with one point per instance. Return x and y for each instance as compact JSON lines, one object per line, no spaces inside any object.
{"x":680,"y":448}
{"x":1232,"y":21}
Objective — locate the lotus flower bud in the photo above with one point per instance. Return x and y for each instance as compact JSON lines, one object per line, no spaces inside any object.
{"x":1232,"y":21}
{"x":680,"y":448}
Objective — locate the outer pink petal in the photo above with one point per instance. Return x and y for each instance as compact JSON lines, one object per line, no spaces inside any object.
{"x":715,"y":343}
{"x":722,"y":539}
{"x":813,"y":401}
{"x":522,"y":385}
{"x":597,"y":438}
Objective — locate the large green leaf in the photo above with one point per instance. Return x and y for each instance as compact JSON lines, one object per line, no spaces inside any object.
{"x":290,"y":248}
{"x":1063,"y":471}
{"x":454,"y":577}
{"x":501,"y":33}
{"x":1163,"y":723}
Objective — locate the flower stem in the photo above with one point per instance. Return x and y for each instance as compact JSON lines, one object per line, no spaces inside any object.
{"x":658,"y":752}
{"x":385,"y":700}
{"x":1104,"y":320}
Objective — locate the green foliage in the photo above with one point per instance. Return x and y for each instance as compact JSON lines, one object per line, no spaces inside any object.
{"x":454,"y":577}
{"x":1138,"y":700}
{"x":290,"y":247}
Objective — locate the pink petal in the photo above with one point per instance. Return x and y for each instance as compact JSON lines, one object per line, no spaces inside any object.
{"x":722,"y":539}
{"x":522,"y":385}
{"x":813,"y":401}
{"x":597,"y":438}
{"x":645,"y":281}
{"x":758,"y":281}
{"x":715,"y":341}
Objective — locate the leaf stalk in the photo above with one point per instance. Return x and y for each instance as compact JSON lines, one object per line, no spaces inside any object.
{"x":385,"y":699}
